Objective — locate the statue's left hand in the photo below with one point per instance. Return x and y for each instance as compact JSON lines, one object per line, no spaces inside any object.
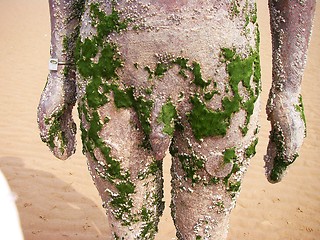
{"x":57,"y":127}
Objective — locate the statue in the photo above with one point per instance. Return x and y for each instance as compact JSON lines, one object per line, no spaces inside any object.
{"x":180,"y":74}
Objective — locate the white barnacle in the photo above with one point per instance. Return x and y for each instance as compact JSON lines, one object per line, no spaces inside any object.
{"x":182,"y":188}
{"x":190,"y":190}
{"x":97,"y":170}
{"x":101,"y":163}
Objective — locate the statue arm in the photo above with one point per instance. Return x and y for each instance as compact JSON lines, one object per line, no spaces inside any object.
{"x":57,"y":127}
{"x":291,"y":23}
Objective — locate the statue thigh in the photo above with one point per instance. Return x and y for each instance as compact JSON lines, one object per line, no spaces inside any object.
{"x":206,"y":178}
{"x":126,"y":175}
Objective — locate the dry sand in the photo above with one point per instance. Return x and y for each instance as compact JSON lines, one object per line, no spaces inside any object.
{"x":57,"y":200}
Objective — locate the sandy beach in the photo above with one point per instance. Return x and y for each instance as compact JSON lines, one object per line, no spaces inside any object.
{"x":57,"y":200}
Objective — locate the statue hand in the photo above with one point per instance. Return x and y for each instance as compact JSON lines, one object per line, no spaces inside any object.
{"x":57,"y":128}
{"x":288,"y":129}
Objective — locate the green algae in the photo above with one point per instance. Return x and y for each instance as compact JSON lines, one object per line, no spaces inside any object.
{"x":148,"y":69}
{"x":152,"y":169}
{"x":250,"y":15}
{"x":149,"y":217}
{"x":254,"y":16}
{"x":173,"y":149}
{"x":123,"y":98}
{"x":69,"y":43}
{"x":148,"y":91}
{"x":234,"y":9}
{"x":107,"y":65}
{"x":239,"y":70}
{"x":106,"y":24}
{"x":191,"y":164}
{"x":206,"y":122}
{"x":214,"y":180}
{"x":209,"y":95}
{"x":228,"y":53}
{"x":123,"y":203}
{"x":198,"y":80}
{"x":143,"y":108}
{"x":106,"y":120}
{"x":220,"y":205}
{"x":111,"y":171}
{"x":167,"y":116}
{"x":300,"y":108}
{"x":150,"y":227}
{"x":232,"y":186}
{"x":229,"y":155}
{"x":76,"y":10}
{"x":55,"y":131}
{"x":116,"y":237}
{"x":251,"y":150}
{"x":280,"y":163}
{"x":106,"y":69}
{"x":161,"y":68}
{"x":183,"y":64}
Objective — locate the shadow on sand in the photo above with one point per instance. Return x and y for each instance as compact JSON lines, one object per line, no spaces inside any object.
{"x":50,"y":208}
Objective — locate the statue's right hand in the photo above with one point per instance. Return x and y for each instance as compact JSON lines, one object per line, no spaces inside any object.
{"x":57,"y":128}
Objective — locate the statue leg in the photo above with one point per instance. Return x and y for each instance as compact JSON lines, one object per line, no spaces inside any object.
{"x":206,"y":179}
{"x":127,"y":176}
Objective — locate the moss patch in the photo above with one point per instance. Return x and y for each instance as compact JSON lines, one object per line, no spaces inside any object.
{"x":106,"y":24}
{"x":152,"y":169}
{"x":235,"y":8}
{"x":206,"y":122}
{"x":76,"y":10}
{"x":209,"y":95}
{"x":300,"y":108}
{"x":167,"y":116}
{"x":251,"y":150}
{"x":280,"y":163}
{"x":191,"y":164}
{"x":198,"y":80}
{"x":229,"y":155}
{"x":56,"y":133}
{"x":232,"y":186}
{"x":162,"y":67}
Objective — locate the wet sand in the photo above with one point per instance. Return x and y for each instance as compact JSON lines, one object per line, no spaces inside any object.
{"x":57,"y":199}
